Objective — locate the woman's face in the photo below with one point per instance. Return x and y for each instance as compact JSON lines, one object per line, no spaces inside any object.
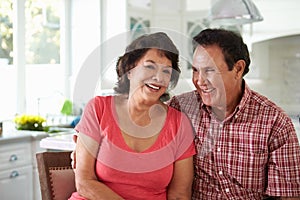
{"x":151,"y":76}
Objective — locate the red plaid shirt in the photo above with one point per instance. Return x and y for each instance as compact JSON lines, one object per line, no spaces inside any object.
{"x":253,"y":153}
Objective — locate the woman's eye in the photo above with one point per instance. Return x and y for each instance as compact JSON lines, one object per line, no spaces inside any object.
{"x":149,"y":66}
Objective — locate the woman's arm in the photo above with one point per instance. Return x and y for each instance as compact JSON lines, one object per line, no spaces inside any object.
{"x":87,"y":184}
{"x":180,"y":187}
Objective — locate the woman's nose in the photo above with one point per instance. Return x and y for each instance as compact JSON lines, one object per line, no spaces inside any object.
{"x":158,"y":76}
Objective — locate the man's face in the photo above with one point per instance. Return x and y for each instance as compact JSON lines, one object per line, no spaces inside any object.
{"x":217,"y":86}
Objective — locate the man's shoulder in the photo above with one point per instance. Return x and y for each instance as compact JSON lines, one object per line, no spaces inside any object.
{"x":266,"y":105}
{"x":185,"y":100}
{"x":264,"y":101}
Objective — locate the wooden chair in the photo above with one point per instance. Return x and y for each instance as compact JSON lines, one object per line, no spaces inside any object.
{"x":57,"y":178}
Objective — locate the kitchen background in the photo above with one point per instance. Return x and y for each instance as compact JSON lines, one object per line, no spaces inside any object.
{"x":52,"y":51}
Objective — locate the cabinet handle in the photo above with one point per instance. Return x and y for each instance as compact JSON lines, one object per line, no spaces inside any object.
{"x":14,"y":174}
{"x":13,"y":157}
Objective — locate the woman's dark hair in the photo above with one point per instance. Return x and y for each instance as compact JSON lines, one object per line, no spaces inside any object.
{"x":137,"y":49}
{"x":231,"y":43}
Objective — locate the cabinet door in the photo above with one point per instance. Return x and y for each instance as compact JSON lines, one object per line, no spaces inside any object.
{"x":14,"y":155}
{"x":16,"y":184}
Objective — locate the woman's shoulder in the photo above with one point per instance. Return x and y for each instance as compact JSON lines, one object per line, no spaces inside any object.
{"x":98,"y":102}
{"x":102,"y":98}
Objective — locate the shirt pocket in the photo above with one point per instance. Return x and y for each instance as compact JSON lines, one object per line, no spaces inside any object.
{"x":248,"y":169}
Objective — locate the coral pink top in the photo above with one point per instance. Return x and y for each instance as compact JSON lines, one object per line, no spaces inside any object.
{"x":132,"y":175}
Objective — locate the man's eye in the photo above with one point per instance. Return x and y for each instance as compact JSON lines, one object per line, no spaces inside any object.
{"x":194,"y":69}
{"x":210,"y":70}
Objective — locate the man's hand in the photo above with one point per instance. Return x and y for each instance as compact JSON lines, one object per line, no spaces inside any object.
{"x":73,"y":154}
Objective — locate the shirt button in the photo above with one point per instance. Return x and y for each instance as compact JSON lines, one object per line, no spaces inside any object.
{"x":220,"y":172}
{"x":227,"y":190}
{"x":219,"y":149}
{"x":221,"y":125}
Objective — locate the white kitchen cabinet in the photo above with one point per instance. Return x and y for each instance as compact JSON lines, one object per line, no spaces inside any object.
{"x":16,"y":171}
{"x":16,"y":183}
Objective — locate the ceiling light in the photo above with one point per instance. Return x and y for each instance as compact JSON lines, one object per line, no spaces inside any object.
{"x":233,"y":12}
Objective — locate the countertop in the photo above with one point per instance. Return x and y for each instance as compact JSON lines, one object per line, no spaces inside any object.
{"x":10,"y":135}
{"x":17,"y":135}
{"x":61,"y":141}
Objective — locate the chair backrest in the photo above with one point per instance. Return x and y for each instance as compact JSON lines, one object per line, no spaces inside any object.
{"x":57,"y":178}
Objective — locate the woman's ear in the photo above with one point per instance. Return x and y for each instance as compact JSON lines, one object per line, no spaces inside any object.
{"x":239,"y":68}
{"x":128,"y":75}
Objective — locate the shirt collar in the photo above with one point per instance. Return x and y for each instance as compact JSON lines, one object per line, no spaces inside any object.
{"x":246,"y":96}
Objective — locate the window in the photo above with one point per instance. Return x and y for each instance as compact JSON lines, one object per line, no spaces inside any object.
{"x":7,"y":72}
{"x":6,"y":32}
{"x":42,"y":31}
{"x":139,"y":27}
{"x":193,"y":28}
{"x":44,"y":72}
{"x":30,"y":57}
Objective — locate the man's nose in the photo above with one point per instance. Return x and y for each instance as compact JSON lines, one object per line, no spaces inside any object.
{"x":201,"y":78}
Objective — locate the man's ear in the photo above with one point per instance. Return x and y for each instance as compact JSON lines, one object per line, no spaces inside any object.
{"x":239,"y":68}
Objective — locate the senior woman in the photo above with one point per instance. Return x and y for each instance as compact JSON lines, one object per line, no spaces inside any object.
{"x":132,"y":145}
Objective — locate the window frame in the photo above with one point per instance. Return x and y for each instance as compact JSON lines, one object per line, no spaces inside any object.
{"x":19,"y":53}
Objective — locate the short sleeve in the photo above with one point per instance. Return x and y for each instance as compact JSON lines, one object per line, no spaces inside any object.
{"x":89,"y":123}
{"x":284,"y":160}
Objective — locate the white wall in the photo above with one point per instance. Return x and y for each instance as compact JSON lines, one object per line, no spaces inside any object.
{"x":277,"y":64}
{"x":85,"y":29}
{"x":280,"y":18}
{"x":85,"y":35}
{"x":275,"y":53}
